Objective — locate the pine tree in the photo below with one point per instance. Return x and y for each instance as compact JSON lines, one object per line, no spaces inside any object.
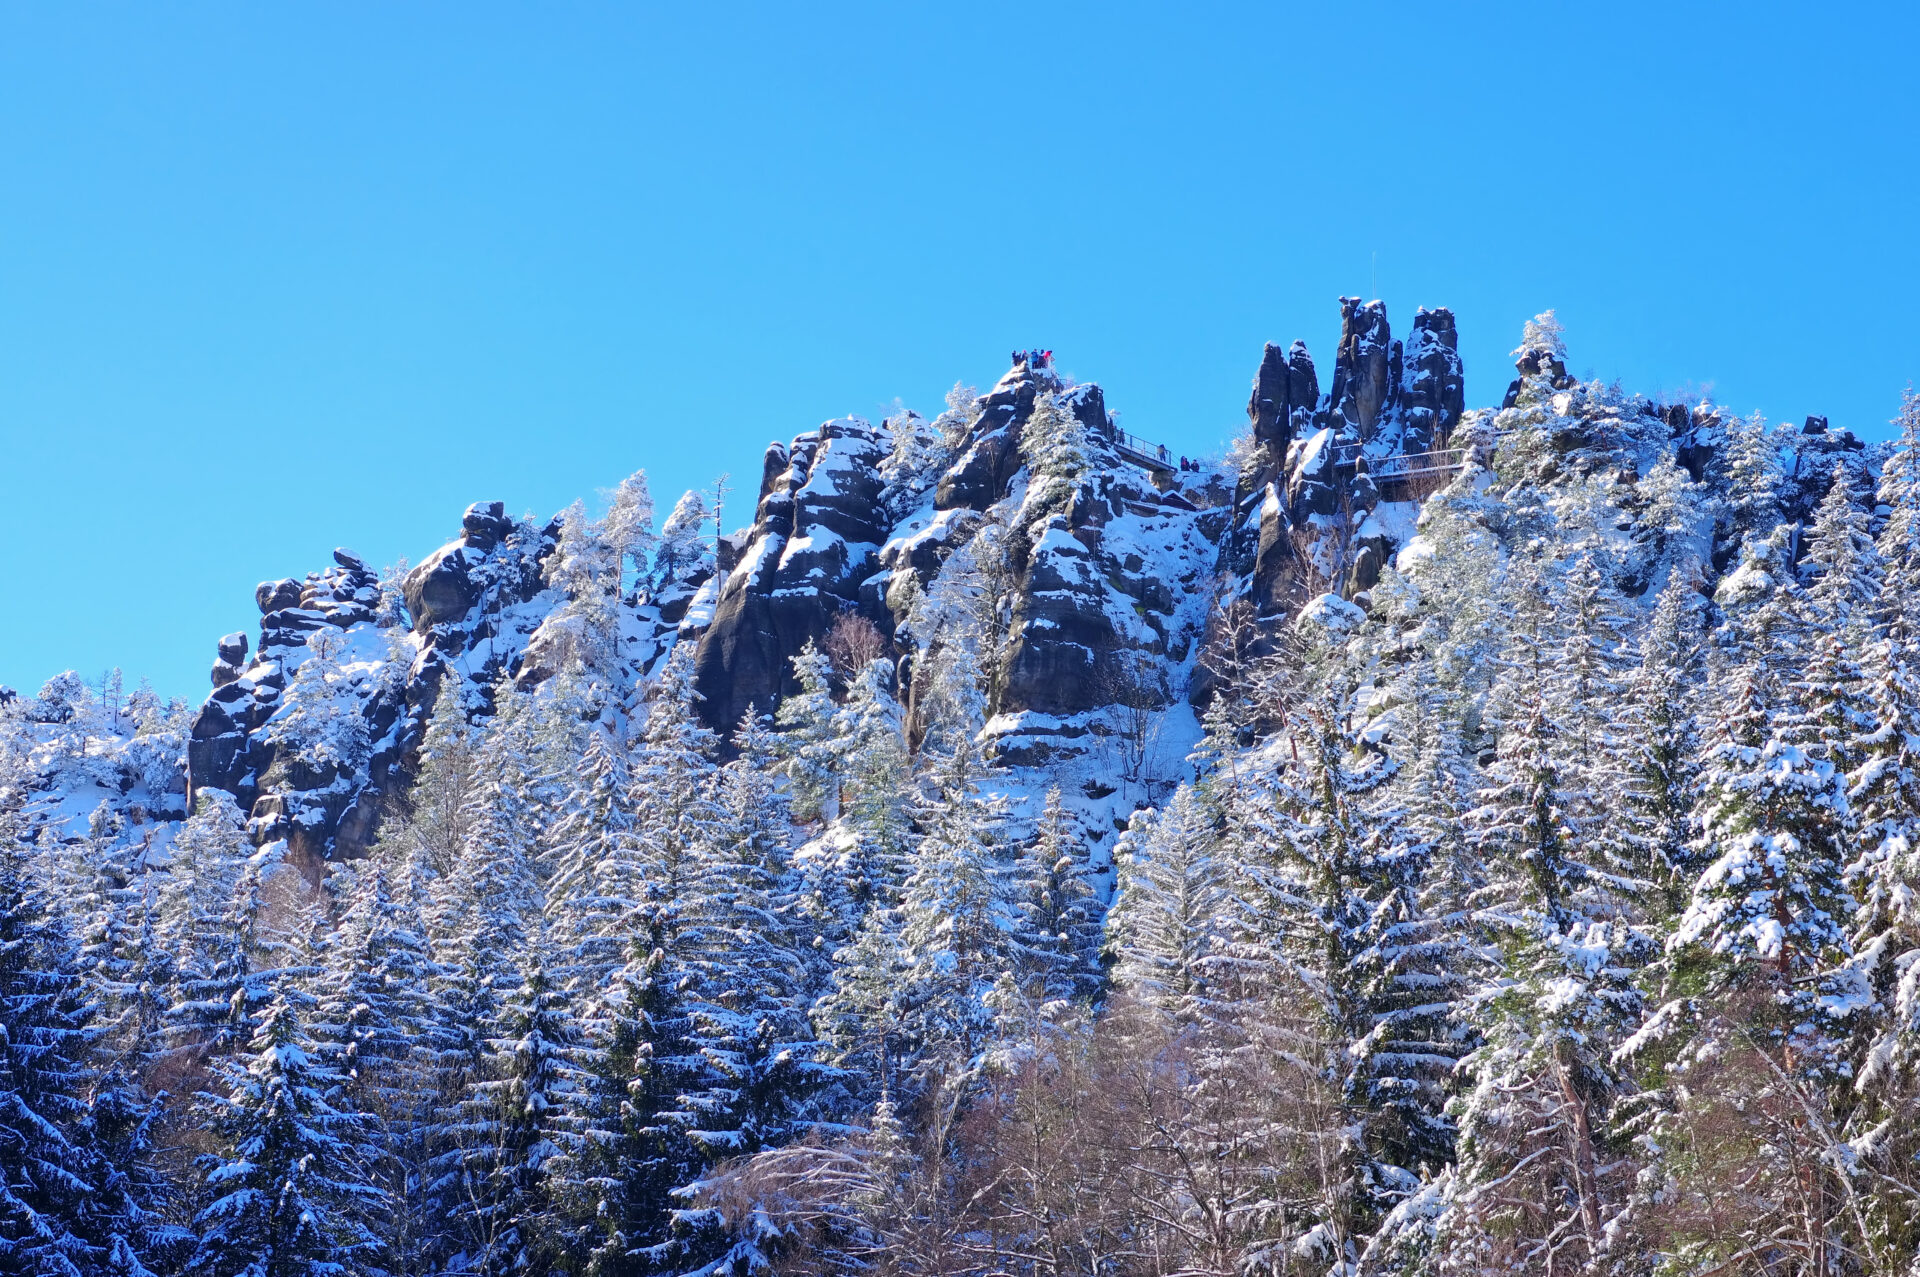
{"x":288,"y":1194}
{"x":806,"y":726}
{"x":508,"y":1130}
{"x":65,"y":1209}
{"x":1537,"y":1177}
{"x":1058,"y":904}
{"x":1168,"y":915}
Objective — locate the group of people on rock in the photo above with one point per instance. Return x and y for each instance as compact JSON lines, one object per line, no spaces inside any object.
{"x":1033,"y":358}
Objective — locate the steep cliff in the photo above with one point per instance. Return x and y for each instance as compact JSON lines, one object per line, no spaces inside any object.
{"x":1088,"y":565}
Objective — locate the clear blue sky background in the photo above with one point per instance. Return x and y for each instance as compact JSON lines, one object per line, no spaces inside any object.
{"x":279,"y":278}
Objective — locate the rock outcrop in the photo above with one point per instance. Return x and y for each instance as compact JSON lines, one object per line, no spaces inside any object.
{"x":816,"y":536}
{"x":472,"y":605}
{"x":1320,"y":467}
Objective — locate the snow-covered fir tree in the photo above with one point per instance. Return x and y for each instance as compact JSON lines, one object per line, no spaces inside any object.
{"x":288,"y":1193}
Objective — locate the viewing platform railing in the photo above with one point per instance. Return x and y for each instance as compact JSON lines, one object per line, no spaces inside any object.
{"x":1346,"y":459}
{"x":1142,"y":452}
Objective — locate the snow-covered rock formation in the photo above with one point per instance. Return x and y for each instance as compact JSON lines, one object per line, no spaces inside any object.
{"x":1022,"y":533}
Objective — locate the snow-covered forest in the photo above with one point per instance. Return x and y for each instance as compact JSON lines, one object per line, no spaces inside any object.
{"x":1425,"y":840}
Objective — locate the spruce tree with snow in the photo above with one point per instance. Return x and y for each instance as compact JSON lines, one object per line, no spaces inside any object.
{"x":1828,"y":712}
{"x":209,"y":856}
{"x":377,"y":1026}
{"x":507,"y":1131}
{"x":483,"y":923}
{"x":1883,"y":789}
{"x":65,"y":1208}
{"x":684,"y":547}
{"x":1898,"y":542}
{"x":628,"y":529}
{"x":588,"y":568}
{"x":1169,"y":911}
{"x":919,"y":450}
{"x":675,"y":814}
{"x":1055,"y":446}
{"x":862,"y":1013}
{"x":1841,"y":560}
{"x":488,"y":906}
{"x":1750,"y":1045}
{"x":111,"y":901}
{"x":431,"y":825}
{"x":288,"y":1193}
{"x":1661,"y":758}
{"x":1769,"y":909}
{"x":1415,"y":969}
{"x":958,"y":923}
{"x":749,"y":1065}
{"x":806,"y":721}
{"x":1060,"y":907}
{"x":596,"y":879}
{"x":1327,"y":904}
{"x":912,"y":990}
{"x":229,"y":975}
{"x":1588,"y":687}
{"x":610,"y":1181}
{"x":321,"y":720}
{"x":1884,"y":795}
{"x":1538,"y":1183}
{"x":876,"y":790}
{"x":1754,"y":478}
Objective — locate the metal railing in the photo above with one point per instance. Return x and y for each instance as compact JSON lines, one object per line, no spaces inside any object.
{"x":1347,"y":457}
{"x":1142,"y":452}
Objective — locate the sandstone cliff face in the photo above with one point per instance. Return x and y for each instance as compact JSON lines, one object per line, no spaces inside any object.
{"x":1108,"y":579}
{"x":1104,"y":565}
{"x":1304,"y":510}
{"x":816,"y":536}
{"x":473,"y":604}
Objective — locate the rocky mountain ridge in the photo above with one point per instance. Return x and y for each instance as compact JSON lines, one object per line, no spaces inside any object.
{"x":1106,"y":572}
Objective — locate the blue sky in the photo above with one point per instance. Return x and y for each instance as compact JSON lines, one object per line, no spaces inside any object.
{"x":279,"y":278}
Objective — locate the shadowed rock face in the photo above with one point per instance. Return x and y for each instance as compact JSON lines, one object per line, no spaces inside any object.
{"x":1361,"y":367}
{"x":1285,"y":394}
{"x":816,"y":536}
{"x":456,"y":598}
{"x":1429,"y":384}
{"x":1296,"y":509}
{"x":1109,"y":579}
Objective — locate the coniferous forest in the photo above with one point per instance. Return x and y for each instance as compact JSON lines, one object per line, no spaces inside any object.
{"x":1424,"y":840}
